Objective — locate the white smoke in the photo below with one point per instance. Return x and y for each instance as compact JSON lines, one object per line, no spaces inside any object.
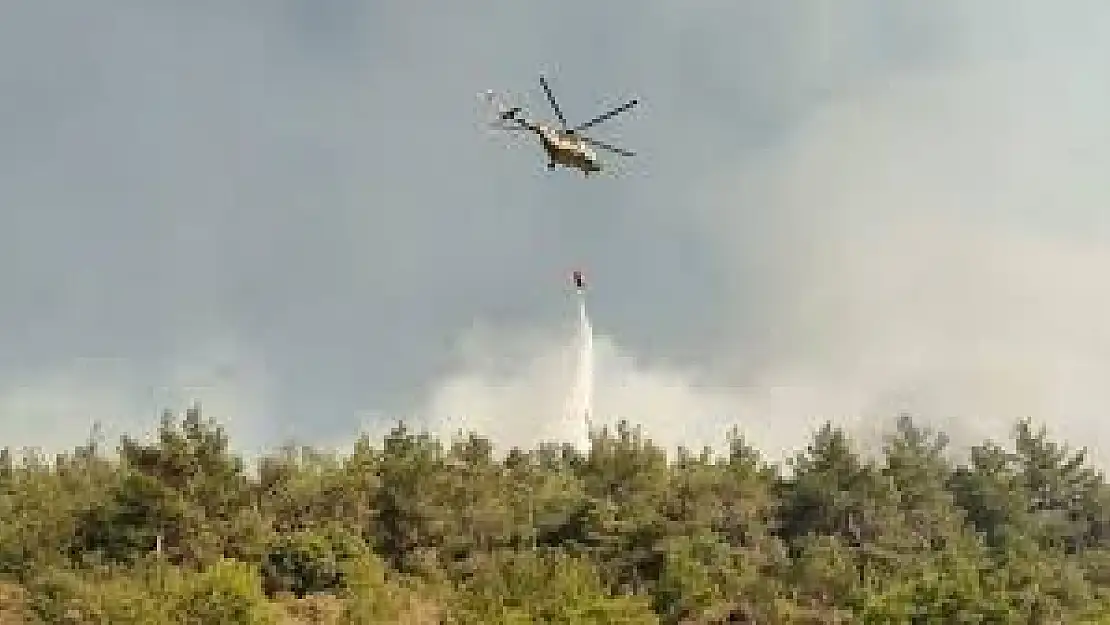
{"x":932,"y":244}
{"x":486,"y":395}
{"x":521,"y":389}
{"x":525,"y":388}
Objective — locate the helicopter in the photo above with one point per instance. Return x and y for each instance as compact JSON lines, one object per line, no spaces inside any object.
{"x":564,"y":145}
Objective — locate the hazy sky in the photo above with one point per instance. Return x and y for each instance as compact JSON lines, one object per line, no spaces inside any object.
{"x":291,"y":210}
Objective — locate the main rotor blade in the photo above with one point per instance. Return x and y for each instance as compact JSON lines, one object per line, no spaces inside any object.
{"x":551,"y":99}
{"x":604,"y":116}
{"x":606,"y":146}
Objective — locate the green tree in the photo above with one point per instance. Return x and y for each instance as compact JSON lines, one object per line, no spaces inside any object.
{"x":194,"y":461}
{"x":410,"y":524}
{"x":301,"y":488}
{"x":420,"y":532}
{"x":620,"y":522}
{"x":129,"y":523}
{"x":833,"y":492}
{"x":39,"y":505}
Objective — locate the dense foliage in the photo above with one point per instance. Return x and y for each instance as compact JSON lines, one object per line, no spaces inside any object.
{"x":415,"y":530}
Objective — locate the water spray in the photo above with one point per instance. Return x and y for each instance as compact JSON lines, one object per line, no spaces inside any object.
{"x":581,"y":396}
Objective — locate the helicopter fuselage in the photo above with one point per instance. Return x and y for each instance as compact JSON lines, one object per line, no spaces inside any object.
{"x":566,"y":149}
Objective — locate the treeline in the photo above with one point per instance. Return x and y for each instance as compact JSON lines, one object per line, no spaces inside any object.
{"x":411,"y":529}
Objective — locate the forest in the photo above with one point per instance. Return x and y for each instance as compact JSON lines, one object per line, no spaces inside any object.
{"x":411,"y":529}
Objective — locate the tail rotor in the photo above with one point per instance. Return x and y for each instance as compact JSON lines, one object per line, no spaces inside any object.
{"x":504,"y":116}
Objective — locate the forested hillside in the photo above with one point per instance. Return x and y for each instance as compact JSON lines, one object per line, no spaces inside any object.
{"x":410,"y":529}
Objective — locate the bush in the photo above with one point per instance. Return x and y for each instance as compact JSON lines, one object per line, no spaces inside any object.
{"x":510,"y":588}
{"x":226,"y":593}
{"x":309,"y":561}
